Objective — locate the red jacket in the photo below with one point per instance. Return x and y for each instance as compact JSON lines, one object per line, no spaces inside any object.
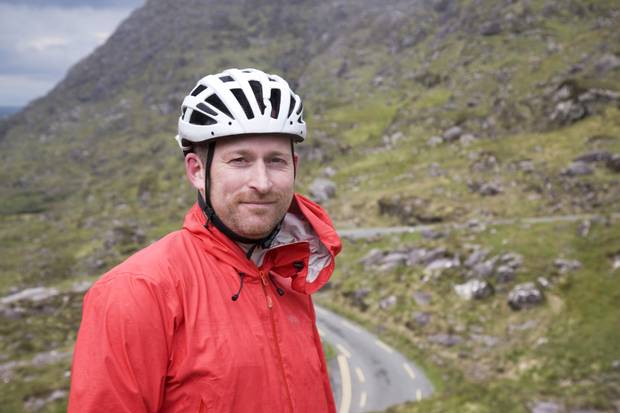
{"x":160,"y":332}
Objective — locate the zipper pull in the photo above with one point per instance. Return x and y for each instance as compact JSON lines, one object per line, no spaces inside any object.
{"x":263,"y":279}
{"x":269,"y":302}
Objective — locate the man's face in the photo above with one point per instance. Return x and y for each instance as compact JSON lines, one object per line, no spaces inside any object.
{"x":252,"y":182}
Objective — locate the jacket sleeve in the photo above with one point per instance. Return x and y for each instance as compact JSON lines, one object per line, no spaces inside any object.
{"x":122,"y":350}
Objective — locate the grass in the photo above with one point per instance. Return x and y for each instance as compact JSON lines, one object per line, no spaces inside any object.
{"x":568,"y":356}
{"x":64,"y":200}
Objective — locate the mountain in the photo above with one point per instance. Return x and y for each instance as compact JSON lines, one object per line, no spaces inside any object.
{"x":419,"y":112}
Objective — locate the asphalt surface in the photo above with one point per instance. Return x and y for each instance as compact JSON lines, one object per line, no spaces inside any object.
{"x":368,"y":375}
{"x":359,"y":233}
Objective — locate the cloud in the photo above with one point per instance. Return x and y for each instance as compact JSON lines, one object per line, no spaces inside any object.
{"x":41,"y":43}
{"x":99,"y":4}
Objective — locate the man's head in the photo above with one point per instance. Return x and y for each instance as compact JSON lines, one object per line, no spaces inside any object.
{"x":237,"y":130}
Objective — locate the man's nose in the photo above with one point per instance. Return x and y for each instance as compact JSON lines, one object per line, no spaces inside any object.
{"x":260,"y":179}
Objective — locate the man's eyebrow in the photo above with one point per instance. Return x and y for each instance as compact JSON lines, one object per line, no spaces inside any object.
{"x":246,"y":152}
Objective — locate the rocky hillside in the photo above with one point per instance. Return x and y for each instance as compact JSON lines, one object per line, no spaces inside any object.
{"x":430,"y":112}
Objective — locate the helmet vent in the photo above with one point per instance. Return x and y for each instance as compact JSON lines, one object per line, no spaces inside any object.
{"x":291,"y":106}
{"x":198,"y":118}
{"x":275,"y":103}
{"x":206,"y":109}
{"x":217,"y":103}
{"x":301,"y":107}
{"x":257,"y":88}
{"x":197,"y":90}
{"x":226,"y":79}
{"x":243,"y":101}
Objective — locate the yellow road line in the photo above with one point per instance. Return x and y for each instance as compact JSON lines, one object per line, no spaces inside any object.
{"x":343,"y":350}
{"x":351,"y":326}
{"x":409,"y":370}
{"x":384,"y":346}
{"x":360,"y":375}
{"x":363,"y":400}
{"x":345,"y":378}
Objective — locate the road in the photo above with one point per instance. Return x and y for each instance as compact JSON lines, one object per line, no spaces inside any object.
{"x":367,"y":374}
{"x":359,"y":233}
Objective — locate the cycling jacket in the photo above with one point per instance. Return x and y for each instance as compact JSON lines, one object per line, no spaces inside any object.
{"x":162,"y":333}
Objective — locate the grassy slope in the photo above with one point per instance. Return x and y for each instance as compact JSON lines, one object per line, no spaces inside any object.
{"x":70,"y":206}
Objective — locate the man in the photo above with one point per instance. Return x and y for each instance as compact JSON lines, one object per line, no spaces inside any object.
{"x":217,"y":317}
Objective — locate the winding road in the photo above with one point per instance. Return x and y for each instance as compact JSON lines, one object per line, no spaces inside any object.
{"x":368,"y":375}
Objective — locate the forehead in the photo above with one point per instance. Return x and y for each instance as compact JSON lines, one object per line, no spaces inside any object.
{"x":254,"y":143}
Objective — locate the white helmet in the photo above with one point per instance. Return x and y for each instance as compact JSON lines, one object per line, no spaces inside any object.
{"x":237,"y":102}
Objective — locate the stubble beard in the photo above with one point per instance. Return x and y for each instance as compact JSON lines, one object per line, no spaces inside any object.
{"x":257,"y":223}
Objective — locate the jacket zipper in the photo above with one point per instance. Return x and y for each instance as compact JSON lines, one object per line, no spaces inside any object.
{"x":264,"y":283}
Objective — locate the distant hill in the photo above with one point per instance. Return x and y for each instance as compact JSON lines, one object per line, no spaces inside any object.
{"x":419,"y":112}
{"x":6,"y":111}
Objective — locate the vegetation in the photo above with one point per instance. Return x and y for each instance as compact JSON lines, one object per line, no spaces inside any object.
{"x":90,"y":174}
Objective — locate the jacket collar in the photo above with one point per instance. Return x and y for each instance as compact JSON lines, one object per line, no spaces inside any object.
{"x":304,"y":250}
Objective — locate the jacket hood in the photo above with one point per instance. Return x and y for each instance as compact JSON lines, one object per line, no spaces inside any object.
{"x":304,"y":249}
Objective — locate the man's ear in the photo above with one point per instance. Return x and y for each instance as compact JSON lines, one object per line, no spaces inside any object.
{"x":195,"y":172}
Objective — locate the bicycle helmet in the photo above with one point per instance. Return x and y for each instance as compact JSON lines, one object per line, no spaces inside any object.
{"x":237,"y":102}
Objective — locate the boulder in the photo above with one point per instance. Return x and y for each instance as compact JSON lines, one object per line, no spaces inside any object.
{"x":421,"y":318}
{"x":466,"y":139}
{"x":322,"y":189}
{"x":595,"y":156}
{"x":505,"y":274}
{"x":483,"y":269}
{"x":434,"y":141}
{"x":475,"y":257}
{"x":372,"y":258}
{"x":568,"y":112}
{"x":474,"y":289}
{"x":526,"y":166}
{"x":577,"y":169}
{"x":543,"y":282}
{"x":416,"y":256}
{"x":432,"y":234}
{"x":490,"y":28}
{"x":511,"y":259}
{"x":446,"y":340}
{"x":452,"y":134}
{"x":607,"y":63}
{"x":421,"y":298}
{"x":358,"y":297}
{"x":34,"y":294}
{"x":388,"y":302}
{"x":524,"y":296}
{"x":441,"y":264}
{"x":329,"y":171}
{"x":392,"y":260}
{"x":614,"y":163}
{"x":546,"y":407}
{"x":434,"y":254}
{"x":565,"y":266}
{"x":489,"y":189}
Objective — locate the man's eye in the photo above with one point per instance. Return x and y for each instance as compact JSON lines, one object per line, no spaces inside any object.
{"x":278,"y":160}
{"x":237,"y":160}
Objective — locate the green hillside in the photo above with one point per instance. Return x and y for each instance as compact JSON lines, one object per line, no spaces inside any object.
{"x":439,"y":112}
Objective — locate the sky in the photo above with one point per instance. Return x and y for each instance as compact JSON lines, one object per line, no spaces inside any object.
{"x":41,"y":39}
